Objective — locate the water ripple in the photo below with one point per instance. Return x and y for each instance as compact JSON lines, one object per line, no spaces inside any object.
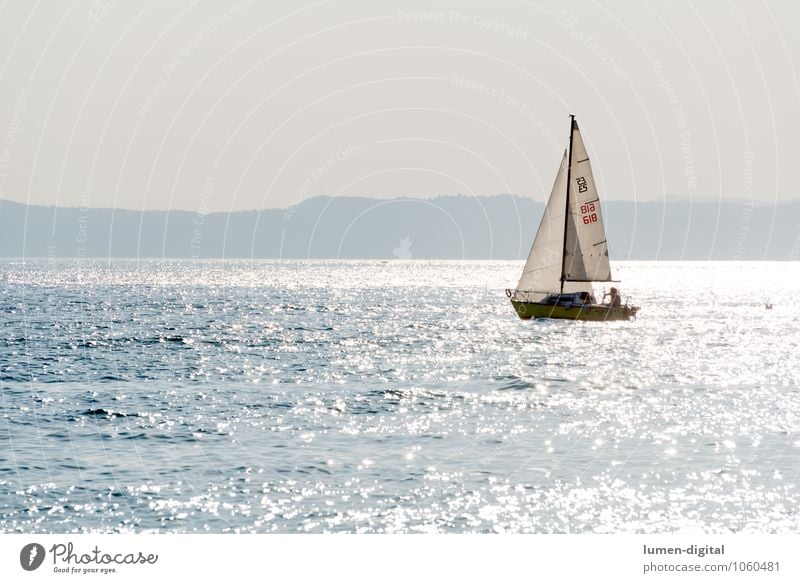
{"x":392,"y":397}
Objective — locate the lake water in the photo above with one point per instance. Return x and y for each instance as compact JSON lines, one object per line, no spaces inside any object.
{"x":401,"y":396}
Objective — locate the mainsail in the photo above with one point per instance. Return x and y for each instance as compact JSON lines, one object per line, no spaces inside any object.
{"x":586,"y":248}
{"x":572,"y":249}
{"x":542,"y":272}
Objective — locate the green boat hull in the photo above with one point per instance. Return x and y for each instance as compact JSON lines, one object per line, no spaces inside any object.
{"x":528,"y":310}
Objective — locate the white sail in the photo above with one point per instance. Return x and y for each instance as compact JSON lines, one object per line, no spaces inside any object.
{"x":542,"y":272}
{"x":586,"y":248}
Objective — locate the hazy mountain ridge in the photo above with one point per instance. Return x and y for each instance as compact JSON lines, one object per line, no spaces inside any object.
{"x":451,"y":227}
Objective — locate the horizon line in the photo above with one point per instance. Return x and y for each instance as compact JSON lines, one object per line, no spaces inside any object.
{"x":666,"y":199}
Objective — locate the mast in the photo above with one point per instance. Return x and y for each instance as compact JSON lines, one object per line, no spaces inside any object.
{"x":566,"y":204}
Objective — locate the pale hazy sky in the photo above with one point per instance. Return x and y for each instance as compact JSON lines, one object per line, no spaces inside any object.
{"x":209,"y":106}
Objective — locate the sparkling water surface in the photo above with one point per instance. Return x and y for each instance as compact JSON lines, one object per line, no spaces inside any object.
{"x":400,"y":396}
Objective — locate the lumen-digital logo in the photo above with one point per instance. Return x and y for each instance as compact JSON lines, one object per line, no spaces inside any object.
{"x":31,"y":556}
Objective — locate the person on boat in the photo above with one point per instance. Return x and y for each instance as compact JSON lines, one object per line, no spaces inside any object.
{"x":614,"y":299}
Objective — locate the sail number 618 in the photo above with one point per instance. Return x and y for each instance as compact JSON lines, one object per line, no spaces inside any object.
{"x":589,"y":216}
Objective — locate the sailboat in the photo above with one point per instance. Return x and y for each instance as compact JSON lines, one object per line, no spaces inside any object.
{"x":570,"y":250}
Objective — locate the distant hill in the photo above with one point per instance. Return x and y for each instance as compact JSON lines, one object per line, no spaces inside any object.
{"x":451,"y":227}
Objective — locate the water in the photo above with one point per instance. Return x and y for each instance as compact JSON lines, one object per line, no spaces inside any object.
{"x":192,"y":396}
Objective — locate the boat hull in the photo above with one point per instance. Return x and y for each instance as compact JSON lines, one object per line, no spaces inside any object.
{"x":528,"y":310}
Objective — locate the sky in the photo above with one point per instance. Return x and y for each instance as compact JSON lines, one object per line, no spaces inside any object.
{"x":212,"y":106}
